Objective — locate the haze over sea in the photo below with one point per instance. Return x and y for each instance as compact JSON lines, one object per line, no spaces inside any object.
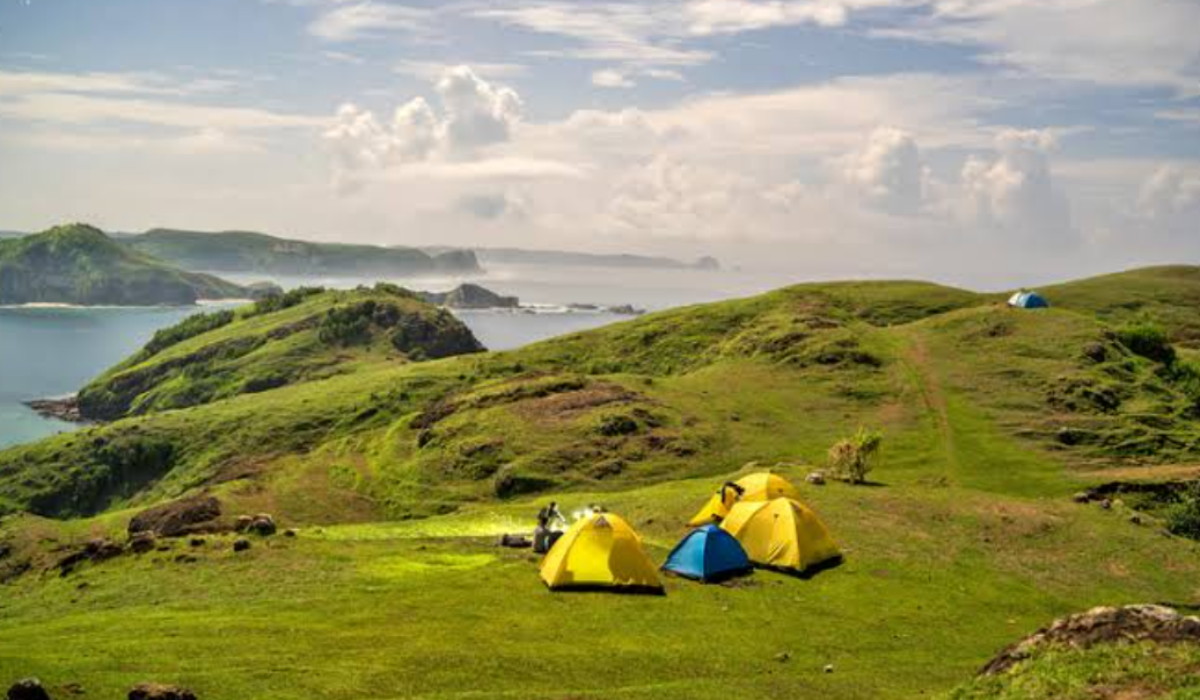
{"x":50,"y":352}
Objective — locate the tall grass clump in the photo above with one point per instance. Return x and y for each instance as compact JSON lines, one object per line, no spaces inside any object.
{"x":1148,"y":340}
{"x":1183,"y":517}
{"x":852,"y":458}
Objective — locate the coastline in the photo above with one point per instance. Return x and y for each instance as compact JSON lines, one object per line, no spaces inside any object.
{"x":64,"y":408}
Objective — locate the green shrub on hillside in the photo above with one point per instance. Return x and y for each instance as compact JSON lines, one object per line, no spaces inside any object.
{"x":347,"y":325}
{"x":1183,"y":518}
{"x":1148,"y":340}
{"x":189,"y":327}
{"x":277,"y":302}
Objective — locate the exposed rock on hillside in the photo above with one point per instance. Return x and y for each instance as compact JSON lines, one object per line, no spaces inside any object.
{"x":1131,"y":623}
{"x":178,"y":518}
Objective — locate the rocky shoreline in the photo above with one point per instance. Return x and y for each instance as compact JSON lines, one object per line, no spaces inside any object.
{"x":65,"y":408}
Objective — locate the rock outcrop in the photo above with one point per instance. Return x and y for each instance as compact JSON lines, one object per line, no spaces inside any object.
{"x":471,"y":296}
{"x":185,"y":516}
{"x":1131,"y":623}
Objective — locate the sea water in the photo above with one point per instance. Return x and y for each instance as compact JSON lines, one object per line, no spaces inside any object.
{"x":50,"y":352}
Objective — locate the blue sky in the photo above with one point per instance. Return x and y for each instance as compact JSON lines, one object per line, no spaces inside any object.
{"x":946,"y":138}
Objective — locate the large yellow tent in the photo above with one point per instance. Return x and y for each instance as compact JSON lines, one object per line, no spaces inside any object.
{"x":759,"y":486}
{"x":781,"y":533}
{"x":600,"y":551}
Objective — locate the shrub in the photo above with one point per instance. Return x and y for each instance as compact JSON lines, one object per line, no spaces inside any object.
{"x":347,"y":325}
{"x":1148,"y":340}
{"x":276,"y":302}
{"x":1183,"y":517}
{"x":851,"y":458}
{"x":189,"y":327}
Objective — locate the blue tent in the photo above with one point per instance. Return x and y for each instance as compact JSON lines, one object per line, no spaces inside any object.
{"x":708,"y":553}
{"x":1028,"y":300}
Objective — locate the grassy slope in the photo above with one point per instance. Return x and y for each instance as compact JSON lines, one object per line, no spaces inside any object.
{"x":256,"y":348}
{"x":245,"y":251}
{"x":968,"y":544}
{"x":78,"y":264}
{"x":1168,"y":294}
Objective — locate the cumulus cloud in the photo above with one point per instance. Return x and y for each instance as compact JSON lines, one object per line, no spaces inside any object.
{"x":888,"y":171}
{"x":1169,"y":192}
{"x":474,"y":114}
{"x":1015,"y":191}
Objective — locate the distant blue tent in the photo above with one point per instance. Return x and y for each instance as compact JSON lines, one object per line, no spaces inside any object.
{"x":1028,"y":300}
{"x":708,"y":553}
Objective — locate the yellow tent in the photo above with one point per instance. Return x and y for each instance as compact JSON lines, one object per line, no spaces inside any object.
{"x":781,"y":533}
{"x":759,"y":486}
{"x":599,"y":551}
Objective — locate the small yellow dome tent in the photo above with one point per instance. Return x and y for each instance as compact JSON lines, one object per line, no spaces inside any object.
{"x":781,"y":534}
{"x":759,"y":486}
{"x":600,"y":551}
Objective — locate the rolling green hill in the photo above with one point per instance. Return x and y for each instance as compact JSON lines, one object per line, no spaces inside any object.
{"x":246,"y":251}
{"x":78,"y":264}
{"x":399,"y":475}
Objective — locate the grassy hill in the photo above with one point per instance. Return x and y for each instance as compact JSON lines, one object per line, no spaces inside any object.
{"x":246,"y":251}
{"x":306,"y":334}
{"x":400,"y":474}
{"x":78,"y":264}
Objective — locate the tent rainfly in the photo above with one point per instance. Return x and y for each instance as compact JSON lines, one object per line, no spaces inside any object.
{"x":759,"y":486}
{"x":600,"y":551}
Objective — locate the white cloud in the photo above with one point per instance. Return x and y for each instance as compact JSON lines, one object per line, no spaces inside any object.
{"x":88,"y":109}
{"x":1171,"y":192}
{"x":888,"y":171}
{"x":734,"y":16}
{"x":1108,"y":42}
{"x":433,"y":70}
{"x":348,"y":21}
{"x":1015,"y":192}
{"x":609,"y":78}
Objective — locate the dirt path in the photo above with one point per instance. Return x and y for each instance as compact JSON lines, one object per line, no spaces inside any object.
{"x":916,"y":355}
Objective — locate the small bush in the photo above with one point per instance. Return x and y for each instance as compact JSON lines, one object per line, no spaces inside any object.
{"x":1183,"y":518}
{"x":851,"y":458}
{"x":189,"y":327}
{"x":1148,"y":340}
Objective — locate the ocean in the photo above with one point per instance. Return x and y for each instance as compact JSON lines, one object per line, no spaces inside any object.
{"x":49,"y":352}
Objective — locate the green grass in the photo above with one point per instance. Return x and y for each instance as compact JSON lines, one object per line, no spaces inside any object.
{"x":936,"y":580}
{"x":401,"y":474}
{"x":1142,"y":670}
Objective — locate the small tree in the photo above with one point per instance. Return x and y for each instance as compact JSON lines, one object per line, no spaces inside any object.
{"x":851,"y":458}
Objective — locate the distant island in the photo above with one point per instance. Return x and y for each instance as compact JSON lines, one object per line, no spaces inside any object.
{"x":474,"y":297}
{"x":247,"y":251}
{"x":79,"y":264}
{"x":552,"y":258}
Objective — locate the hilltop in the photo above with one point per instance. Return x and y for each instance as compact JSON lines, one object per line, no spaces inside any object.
{"x":400,"y":473}
{"x":247,"y":251}
{"x":79,"y":264}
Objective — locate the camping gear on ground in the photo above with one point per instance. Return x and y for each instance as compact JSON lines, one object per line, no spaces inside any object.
{"x":708,"y":554}
{"x":600,"y":551}
{"x":781,"y":534}
{"x":544,"y":538}
{"x":514,"y":541}
{"x":1028,"y":300}
{"x":759,"y":486}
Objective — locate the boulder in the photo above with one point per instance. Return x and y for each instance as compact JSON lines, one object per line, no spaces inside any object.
{"x":142,"y":542}
{"x":241,"y":544}
{"x":816,"y":478}
{"x":28,"y":689}
{"x":95,"y":551}
{"x":262,"y":524}
{"x":178,"y":518}
{"x":242,"y":523}
{"x":1131,"y":623}
{"x":158,"y":691}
